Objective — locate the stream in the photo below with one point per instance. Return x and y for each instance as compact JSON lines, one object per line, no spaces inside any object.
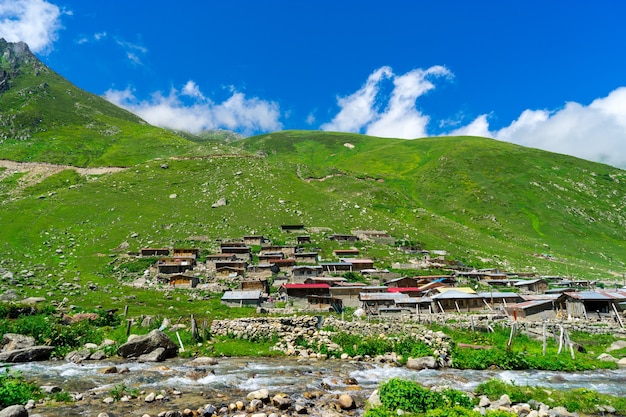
{"x":233,"y":378}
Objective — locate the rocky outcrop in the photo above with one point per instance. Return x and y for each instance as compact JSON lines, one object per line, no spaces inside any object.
{"x":143,"y":345}
{"x":14,"y":411}
{"x":29,"y":354}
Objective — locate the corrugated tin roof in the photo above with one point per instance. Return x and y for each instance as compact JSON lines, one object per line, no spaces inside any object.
{"x":381,"y":296}
{"x":305,"y":286}
{"x":499,"y":294}
{"x":242,"y":295}
{"x":453,"y":294}
{"x":466,"y":290}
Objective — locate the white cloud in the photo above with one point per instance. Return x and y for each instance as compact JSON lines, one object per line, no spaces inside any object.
{"x":237,"y":113}
{"x":358,"y":109}
{"x":399,"y":118}
{"x":35,"y":22}
{"x":596,"y":132}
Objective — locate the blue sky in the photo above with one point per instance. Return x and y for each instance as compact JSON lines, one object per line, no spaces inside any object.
{"x":545,"y":74}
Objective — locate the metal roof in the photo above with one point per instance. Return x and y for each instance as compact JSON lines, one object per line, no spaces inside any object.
{"x":453,"y":294}
{"x":242,"y":295}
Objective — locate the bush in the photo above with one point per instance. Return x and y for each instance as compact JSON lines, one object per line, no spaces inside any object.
{"x":398,"y":394}
{"x":14,"y":390}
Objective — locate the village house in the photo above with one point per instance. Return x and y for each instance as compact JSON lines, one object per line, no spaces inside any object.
{"x":347,"y":292}
{"x":185,"y":253}
{"x":372,"y":303}
{"x":261,"y":271}
{"x":499,"y":300}
{"x":255,"y":240}
{"x":270,"y":256}
{"x":238,"y":298}
{"x":543,"y":309}
{"x":534,"y":285}
{"x":585,"y":304}
{"x":182,"y":281}
{"x":456,"y":300}
{"x":343,"y":238}
{"x":175,"y":265}
{"x":242,"y":251}
{"x":304,"y":290}
{"x":287,"y":250}
{"x":306,"y":257}
{"x":292,"y":227}
{"x":324,"y":303}
{"x":301,"y":273}
{"x":336,"y":267}
{"x":147,"y":252}
{"x":359,"y":264}
{"x":303,"y":239}
{"x":344,"y":253}
{"x":230,"y":268}
{"x":254,"y":284}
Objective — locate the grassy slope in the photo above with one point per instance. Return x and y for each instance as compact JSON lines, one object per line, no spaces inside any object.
{"x":474,"y":194}
{"x":46,"y":118}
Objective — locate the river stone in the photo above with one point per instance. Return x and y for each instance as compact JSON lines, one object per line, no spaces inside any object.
{"x":98,"y":355}
{"x":78,"y":356}
{"x":374,"y":399}
{"x":14,"y":341}
{"x":622,"y":363}
{"x":202,"y":361}
{"x":35,"y":353}
{"x":300,"y":409}
{"x":262,"y":394}
{"x":346,"y":402}
{"x":484,"y":401}
{"x":50,"y":389}
{"x":14,"y":411}
{"x":150,"y":397}
{"x":157,"y":355}
{"x":426,"y":362}
{"x":281,"y":401}
{"x":140,"y":345}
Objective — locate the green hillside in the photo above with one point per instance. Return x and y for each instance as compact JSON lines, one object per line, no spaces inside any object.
{"x":471,"y":195}
{"x":44,"y":117}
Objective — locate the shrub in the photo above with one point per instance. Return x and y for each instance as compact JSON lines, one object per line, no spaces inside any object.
{"x":409,"y":396}
{"x":14,"y":390}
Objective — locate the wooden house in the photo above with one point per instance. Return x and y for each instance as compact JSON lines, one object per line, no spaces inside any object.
{"x":255,"y":284}
{"x":324,"y":303}
{"x":534,"y":285}
{"x":262,"y":270}
{"x":540,"y":308}
{"x":185,"y":253}
{"x":346,"y":253}
{"x":175,"y":265}
{"x":287,"y":250}
{"x":402,"y":282}
{"x":343,"y":238}
{"x":147,"y":252}
{"x":301,"y":273}
{"x":304,"y":290}
{"x":292,"y":227}
{"x":301,"y":240}
{"x":373,"y":302}
{"x":256,"y":240}
{"x":267,"y":257}
{"x":336,"y":267}
{"x":183,"y":281}
{"x":501,"y":299}
{"x":306,"y":257}
{"x":585,"y":304}
{"x":457,"y":301}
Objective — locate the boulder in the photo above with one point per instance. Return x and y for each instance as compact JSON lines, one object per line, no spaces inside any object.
{"x":141,"y":345}
{"x":346,"y":402}
{"x":281,"y":401}
{"x":157,"y":355}
{"x":605,"y":357}
{"x":14,"y":411}
{"x":35,"y":353}
{"x":13,"y":341}
{"x":78,"y":356}
{"x":261,"y":394}
{"x":202,"y":361}
{"x":426,"y":362}
{"x":617,"y":345}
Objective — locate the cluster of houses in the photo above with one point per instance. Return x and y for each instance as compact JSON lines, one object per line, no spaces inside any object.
{"x":287,"y":273}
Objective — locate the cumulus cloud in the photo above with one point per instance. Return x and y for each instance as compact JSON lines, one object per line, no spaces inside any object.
{"x":190,"y":111}
{"x":361,"y":111}
{"x":596,"y":132}
{"x":35,"y":22}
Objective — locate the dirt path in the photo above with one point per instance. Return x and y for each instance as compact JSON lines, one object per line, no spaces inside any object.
{"x":36,"y":172}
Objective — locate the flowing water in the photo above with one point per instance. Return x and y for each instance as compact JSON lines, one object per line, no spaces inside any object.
{"x":232,"y":378}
